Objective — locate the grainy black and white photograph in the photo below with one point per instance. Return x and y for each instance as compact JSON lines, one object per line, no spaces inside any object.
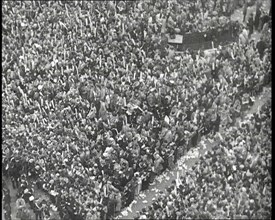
{"x":138,"y":109}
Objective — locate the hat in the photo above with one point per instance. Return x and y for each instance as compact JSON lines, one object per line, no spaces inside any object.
{"x":54,"y":208}
{"x":40,"y":87}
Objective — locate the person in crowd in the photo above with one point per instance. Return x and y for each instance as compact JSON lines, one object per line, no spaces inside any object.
{"x":265,"y":18}
{"x":257,"y":17}
{"x":6,"y":202}
{"x":7,"y":212}
{"x":245,"y":5}
{"x":158,"y":164}
{"x":38,"y":210}
{"x":244,"y":37}
{"x":250,"y":24}
{"x":261,"y":46}
{"x":118,"y":203}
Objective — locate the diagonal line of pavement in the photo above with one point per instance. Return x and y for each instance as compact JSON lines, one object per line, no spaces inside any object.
{"x":167,"y":177}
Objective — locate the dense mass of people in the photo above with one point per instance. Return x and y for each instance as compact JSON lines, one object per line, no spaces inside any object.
{"x":231,"y":181}
{"x":196,"y":16}
{"x":95,"y":106}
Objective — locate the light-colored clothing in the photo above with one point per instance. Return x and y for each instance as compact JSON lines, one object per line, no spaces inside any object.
{"x":20,"y":203}
{"x":102,"y":110}
{"x":244,"y":37}
{"x":171,"y":163}
{"x":158,"y":165}
{"x":163,"y":27}
{"x":118,"y":202}
{"x":138,"y":187}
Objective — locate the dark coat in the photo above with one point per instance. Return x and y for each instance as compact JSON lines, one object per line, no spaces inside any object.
{"x":261,"y":46}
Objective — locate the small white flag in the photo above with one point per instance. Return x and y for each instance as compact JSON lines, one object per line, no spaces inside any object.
{"x":47,"y":104}
{"x":23,"y":51}
{"x":123,"y":29}
{"x":166,"y":119}
{"x":66,"y":10}
{"x":264,"y":190}
{"x":133,"y":41}
{"x":41,"y":101}
{"x":140,"y":76}
{"x":124,"y":63}
{"x":76,"y":70}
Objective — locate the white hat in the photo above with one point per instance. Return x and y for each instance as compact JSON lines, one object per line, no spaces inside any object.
{"x":54,"y":208}
{"x":40,"y":87}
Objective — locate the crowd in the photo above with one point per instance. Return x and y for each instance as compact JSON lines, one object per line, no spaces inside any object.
{"x":197,"y":16}
{"x":232,"y":181}
{"x":94,"y":106}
